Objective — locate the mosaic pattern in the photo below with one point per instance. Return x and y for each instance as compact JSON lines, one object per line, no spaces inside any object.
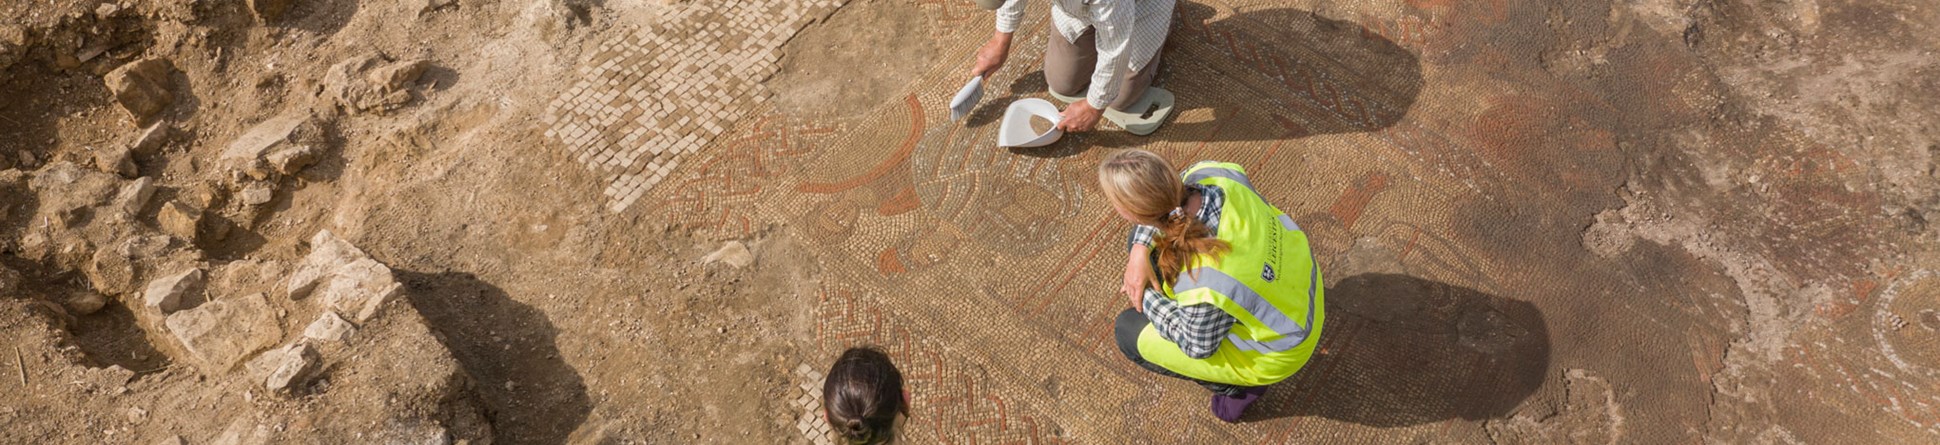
{"x":647,"y":99}
{"x":903,"y":204}
{"x":808,"y":401}
{"x":1434,"y":168}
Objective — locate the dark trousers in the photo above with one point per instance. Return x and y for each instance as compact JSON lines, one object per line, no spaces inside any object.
{"x":1126,"y":330}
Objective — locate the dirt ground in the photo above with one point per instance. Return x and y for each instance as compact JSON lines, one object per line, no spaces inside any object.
{"x":1648,"y":221}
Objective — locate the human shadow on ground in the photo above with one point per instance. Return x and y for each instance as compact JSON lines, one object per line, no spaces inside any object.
{"x":1400,"y":350}
{"x":531,"y":395}
{"x":1296,"y":73}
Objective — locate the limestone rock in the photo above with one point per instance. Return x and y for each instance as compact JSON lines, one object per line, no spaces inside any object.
{"x":372,"y":83}
{"x":143,"y":88}
{"x":257,"y":193}
{"x":734,"y":253}
{"x":270,"y":9}
{"x":360,"y":289}
{"x":327,"y":253}
{"x":169,"y":294}
{"x":298,"y":362}
{"x":180,"y":220}
{"x":83,"y":302}
{"x":171,"y":440}
{"x":106,"y":11}
{"x":349,"y":282}
{"x":115,"y":159}
{"x":110,"y":271}
{"x":221,"y":333}
{"x":151,"y":138}
{"x":67,"y":190}
{"x":292,"y":158}
{"x":250,"y":152}
{"x":328,"y":327}
{"x":134,"y":196}
{"x":398,"y":75}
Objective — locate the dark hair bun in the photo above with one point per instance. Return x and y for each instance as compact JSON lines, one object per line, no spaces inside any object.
{"x":863,"y":395}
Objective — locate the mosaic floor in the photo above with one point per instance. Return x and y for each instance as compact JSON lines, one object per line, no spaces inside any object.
{"x":1417,"y":156}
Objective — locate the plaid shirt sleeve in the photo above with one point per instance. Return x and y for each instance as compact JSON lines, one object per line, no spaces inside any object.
{"x":1196,"y":328}
{"x":1142,"y":235}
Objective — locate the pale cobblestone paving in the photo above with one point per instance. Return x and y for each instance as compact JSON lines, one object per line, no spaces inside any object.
{"x":646,"y":99}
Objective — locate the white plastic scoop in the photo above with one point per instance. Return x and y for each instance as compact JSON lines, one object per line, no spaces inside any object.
{"x":1015,"y":130}
{"x":966,"y":99}
{"x":1156,"y":99}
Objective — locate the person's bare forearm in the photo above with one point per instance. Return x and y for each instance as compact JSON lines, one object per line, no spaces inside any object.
{"x":991,"y":57}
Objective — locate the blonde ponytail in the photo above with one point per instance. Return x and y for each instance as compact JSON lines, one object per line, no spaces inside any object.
{"x":1144,"y":185}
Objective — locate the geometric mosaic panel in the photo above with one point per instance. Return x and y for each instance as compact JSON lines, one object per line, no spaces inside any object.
{"x":648,"y":98}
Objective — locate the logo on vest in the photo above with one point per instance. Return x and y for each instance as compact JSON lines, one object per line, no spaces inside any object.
{"x":1267,"y":273}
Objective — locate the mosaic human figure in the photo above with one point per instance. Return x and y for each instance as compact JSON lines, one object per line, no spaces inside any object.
{"x":1101,"y":58}
{"x":1223,"y":287}
{"x":863,"y":399}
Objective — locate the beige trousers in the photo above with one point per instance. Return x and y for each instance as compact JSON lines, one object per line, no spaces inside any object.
{"x":1068,"y":67}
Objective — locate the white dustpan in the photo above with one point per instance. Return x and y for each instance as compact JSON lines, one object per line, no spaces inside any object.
{"x":1015,"y":130}
{"x":966,"y":99}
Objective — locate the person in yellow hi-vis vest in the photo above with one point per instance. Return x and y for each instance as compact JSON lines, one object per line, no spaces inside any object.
{"x":1223,"y":286}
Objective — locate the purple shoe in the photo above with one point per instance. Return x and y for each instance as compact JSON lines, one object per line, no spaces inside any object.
{"x":1229,"y":408}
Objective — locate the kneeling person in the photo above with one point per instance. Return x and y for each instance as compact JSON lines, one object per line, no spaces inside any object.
{"x":1223,"y":285}
{"x":1101,"y":58}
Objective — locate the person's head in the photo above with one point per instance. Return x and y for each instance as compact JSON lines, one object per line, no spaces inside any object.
{"x":863,"y":396}
{"x":1142,"y":188}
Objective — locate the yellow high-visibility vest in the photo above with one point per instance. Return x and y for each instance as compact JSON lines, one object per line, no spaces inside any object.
{"x":1268,"y":281}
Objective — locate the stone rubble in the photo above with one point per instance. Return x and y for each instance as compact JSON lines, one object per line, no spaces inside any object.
{"x":84,"y":302}
{"x":223,"y":332}
{"x":272,"y":147}
{"x":257,"y":193}
{"x":329,"y":327}
{"x":114,"y":159}
{"x":134,"y":196}
{"x":69,"y":192}
{"x":179,"y":219}
{"x":110,"y":271}
{"x":372,"y":83}
{"x":734,"y":253}
{"x":151,"y":138}
{"x":299,"y":362}
{"x":168,"y":294}
{"x":143,"y":88}
{"x":359,"y":289}
{"x":327,"y":254}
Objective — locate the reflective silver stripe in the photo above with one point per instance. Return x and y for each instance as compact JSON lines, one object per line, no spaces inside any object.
{"x":1287,"y":222}
{"x":1218,"y":172}
{"x":1256,"y":305}
{"x":1281,"y":344}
